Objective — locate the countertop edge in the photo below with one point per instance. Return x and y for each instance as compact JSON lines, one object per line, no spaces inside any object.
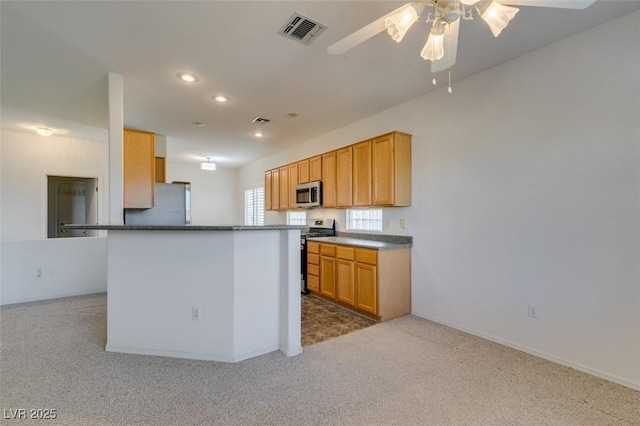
{"x":370,"y":244}
{"x":187,"y":227}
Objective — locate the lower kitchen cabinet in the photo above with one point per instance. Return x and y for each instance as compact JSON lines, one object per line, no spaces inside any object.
{"x":313,"y":267}
{"x":376,"y":283}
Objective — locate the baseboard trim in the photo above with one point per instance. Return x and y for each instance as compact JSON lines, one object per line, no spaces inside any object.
{"x":54,"y":297}
{"x":189,"y":355}
{"x":544,"y":355}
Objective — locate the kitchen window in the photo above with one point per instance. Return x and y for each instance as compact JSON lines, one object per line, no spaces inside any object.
{"x":296,"y":218}
{"x":364,"y":220}
{"x":254,"y":206}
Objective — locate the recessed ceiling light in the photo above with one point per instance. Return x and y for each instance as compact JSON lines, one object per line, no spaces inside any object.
{"x":197,"y":123}
{"x":221,"y":98}
{"x":258,"y":134}
{"x":188,"y":77}
{"x":44,"y":131}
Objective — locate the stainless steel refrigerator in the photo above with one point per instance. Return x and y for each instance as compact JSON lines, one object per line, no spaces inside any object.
{"x":172,"y":206}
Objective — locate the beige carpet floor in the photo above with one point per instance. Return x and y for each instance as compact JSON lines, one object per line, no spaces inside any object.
{"x":408,"y":371}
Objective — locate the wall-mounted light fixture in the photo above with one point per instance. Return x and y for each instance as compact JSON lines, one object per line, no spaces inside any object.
{"x":209,"y":165}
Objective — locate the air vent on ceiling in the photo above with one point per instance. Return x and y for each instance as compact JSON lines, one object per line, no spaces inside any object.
{"x":261,"y":120}
{"x":302,"y":29}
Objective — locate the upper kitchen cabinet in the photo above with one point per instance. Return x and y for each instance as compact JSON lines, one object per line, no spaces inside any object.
{"x":362,"y":174}
{"x":315,"y":168}
{"x":275,"y":189}
{"x":284,"y":188}
{"x":293,"y":182}
{"x":391,"y":170}
{"x":267,"y":190}
{"x":329,"y":179}
{"x":139,"y":169}
{"x":344,"y":188}
{"x":303,"y":171}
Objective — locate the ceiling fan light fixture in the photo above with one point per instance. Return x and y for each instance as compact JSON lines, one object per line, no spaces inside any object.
{"x":496,"y":15}
{"x":399,"y":23}
{"x":434,"y":48}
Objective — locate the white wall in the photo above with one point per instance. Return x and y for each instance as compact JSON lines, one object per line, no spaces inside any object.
{"x":526,"y":190}
{"x":214,"y":194}
{"x":27,"y":159}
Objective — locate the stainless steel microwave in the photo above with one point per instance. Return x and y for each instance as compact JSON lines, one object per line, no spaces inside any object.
{"x":309,"y":194}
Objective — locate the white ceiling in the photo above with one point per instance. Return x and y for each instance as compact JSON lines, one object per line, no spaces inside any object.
{"x":56,"y":55}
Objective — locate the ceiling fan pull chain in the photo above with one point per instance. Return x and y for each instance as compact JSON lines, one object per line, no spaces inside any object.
{"x":449,"y":89}
{"x":434,"y":82}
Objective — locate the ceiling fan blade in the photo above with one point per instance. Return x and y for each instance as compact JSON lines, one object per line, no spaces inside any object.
{"x":563,"y":4}
{"x":362,"y":35}
{"x":450,"y":48}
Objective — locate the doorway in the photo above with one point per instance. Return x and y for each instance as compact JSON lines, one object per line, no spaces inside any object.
{"x":71,"y":200}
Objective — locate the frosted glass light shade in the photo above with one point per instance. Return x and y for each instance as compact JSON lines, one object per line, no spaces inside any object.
{"x":434,"y":49}
{"x":496,"y":15}
{"x":208,"y":165}
{"x":398,"y":24}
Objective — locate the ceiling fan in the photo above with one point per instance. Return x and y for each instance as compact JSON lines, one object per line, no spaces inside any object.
{"x":442,"y":44}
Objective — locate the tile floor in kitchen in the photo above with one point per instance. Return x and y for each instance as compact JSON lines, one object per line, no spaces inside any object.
{"x":322,"y":320}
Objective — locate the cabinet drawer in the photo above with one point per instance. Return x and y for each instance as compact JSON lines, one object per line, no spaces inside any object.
{"x":313,"y":283}
{"x":347,"y":253}
{"x":313,"y":247}
{"x":313,"y":259}
{"x":313,"y":270}
{"x":367,"y":256}
{"x":327,"y":250}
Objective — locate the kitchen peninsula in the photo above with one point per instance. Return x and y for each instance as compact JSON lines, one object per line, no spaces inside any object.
{"x":221,"y":293}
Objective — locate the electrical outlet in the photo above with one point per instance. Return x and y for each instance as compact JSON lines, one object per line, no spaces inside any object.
{"x":533,"y":311}
{"x":38,"y":272}
{"x":403,"y":223}
{"x":195,"y":314}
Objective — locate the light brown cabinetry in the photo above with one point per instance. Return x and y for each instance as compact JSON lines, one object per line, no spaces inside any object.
{"x":139,"y":169}
{"x":344,"y":187}
{"x":293,"y":182}
{"x":284,"y":188}
{"x":313,"y":266}
{"x":267,"y":190}
{"x":315,"y":168}
{"x":161,"y":170}
{"x":374,"y":282}
{"x":303,"y":171}
{"x":275,"y":189}
{"x":362,"y":174}
{"x":391,"y":170}
{"x":327,"y":270}
{"x":345,"y":275}
{"x":329,"y":180}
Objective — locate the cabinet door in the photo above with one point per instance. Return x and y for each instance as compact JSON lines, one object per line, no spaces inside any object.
{"x":383,"y":171}
{"x":315,"y":168}
{"x":284,"y":188}
{"x":327,"y":276}
{"x":303,"y":171}
{"x":362,"y":174}
{"x":344,"y":159}
{"x":329,"y":179}
{"x":161,"y":170}
{"x":293,"y":181}
{"x":267,"y":190}
{"x":366,"y":288}
{"x":139,"y":169}
{"x":391,"y":170}
{"x":313,"y":283}
{"x":345,"y":278}
{"x":275,"y":189}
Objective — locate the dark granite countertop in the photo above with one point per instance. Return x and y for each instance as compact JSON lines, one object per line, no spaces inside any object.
{"x":186,"y":227}
{"x":368,"y":243}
